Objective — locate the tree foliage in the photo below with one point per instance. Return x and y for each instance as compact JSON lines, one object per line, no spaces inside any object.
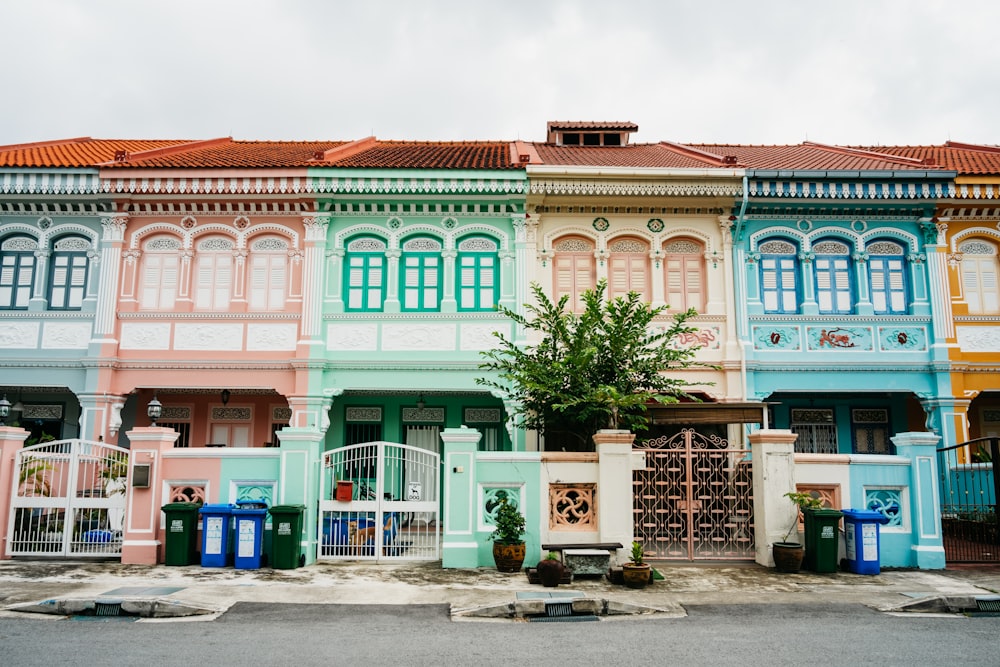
{"x":590,"y":370}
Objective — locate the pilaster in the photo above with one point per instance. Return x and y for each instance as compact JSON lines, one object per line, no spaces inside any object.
{"x":773,"y":452}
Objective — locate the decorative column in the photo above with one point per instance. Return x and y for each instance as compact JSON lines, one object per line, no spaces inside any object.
{"x":100,"y":415}
{"x":142,"y":539}
{"x":449,"y":301}
{"x":298,"y":480}
{"x":614,"y":489}
{"x":865,"y":306}
{"x":525,"y":249}
{"x":809,"y":304}
{"x":773,"y":452}
{"x":936,"y":249}
{"x":927,"y":548}
{"x":11,"y":440}
{"x":459,"y":547}
{"x":112,"y":240}
{"x":312,"y":284}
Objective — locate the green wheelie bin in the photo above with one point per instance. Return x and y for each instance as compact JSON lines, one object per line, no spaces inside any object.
{"x":822,"y":539}
{"x":181,"y":547}
{"x":286,"y":538}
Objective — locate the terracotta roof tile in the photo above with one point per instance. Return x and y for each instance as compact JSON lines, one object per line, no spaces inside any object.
{"x":79,"y":152}
{"x":234,"y":155}
{"x":592,"y":125}
{"x":966,"y":159}
{"x":430,"y":155}
{"x":808,"y":157}
{"x":633,"y":155}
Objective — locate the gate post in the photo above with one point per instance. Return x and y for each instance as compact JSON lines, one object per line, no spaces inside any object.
{"x":11,"y":439}
{"x":773,"y":453}
{"x":141,"y":538}
{"x":459,"y":547}
{"x":925,"y":502}
{"x":298,"y":480}
{"x":615,"y":520}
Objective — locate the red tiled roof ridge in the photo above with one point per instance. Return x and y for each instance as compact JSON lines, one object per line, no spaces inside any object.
{"x":347,"y":150}
{"x":523,"y":152}
{"x":888,"y":157}
{"x":171,"y":150}
{"x":690,"y":151}
{"x":43,"y":144}
{"x":579,"y":124}
{"x":972,"y":147}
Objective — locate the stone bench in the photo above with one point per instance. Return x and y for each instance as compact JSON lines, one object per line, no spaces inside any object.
{"x":584,"y":559}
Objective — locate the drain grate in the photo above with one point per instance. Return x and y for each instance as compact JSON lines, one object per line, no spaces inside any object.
{"x":107,"y":609}
{"x":558,"y":609}
{"x":562,"y":619}
{"x":988,"y":604}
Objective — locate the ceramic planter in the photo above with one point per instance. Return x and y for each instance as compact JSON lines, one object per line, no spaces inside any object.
{"x":636,"y":576}
{"x":787,"y":556}
{"x":508,"y":557}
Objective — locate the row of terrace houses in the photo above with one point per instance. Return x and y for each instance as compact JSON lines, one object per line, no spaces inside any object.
{"x":342,"y":291}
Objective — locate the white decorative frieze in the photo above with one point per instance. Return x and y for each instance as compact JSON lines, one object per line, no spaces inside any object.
{"x":352,"y":337}
{"x":265,"y":337}
{"x":479,"y":336}
{"x":20,"y":335}
{"x":66,"y":335}
{"x":418,"y":336}
{"x":145,"y":336}
{"x":979,"y":339}
{"x":226,"y":337}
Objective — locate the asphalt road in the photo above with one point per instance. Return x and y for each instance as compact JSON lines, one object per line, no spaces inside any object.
{"x":283,"y":634}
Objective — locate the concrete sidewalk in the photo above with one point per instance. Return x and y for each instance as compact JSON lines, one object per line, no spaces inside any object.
{"x":482,"y":592}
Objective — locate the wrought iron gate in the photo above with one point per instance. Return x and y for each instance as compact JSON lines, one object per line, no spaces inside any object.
{"x":380,"y":501}
{"x":970,"y":522}
{"x":694,"y":499}
{"x":68,"y":500}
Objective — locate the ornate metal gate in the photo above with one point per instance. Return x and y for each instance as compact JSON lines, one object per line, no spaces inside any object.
{"x":379,"y":501}
{"x":970,"y":491}
{"x":694,"y":499}
{"x":68,"y":499}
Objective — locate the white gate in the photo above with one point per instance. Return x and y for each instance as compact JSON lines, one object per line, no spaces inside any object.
{"x":68,"y":500}
{"x":380,"y":501}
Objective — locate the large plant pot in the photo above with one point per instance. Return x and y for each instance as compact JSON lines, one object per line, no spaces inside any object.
{"x":636,"y":576}
{"x":508,"y":557}
{"x":550,"y":572}
{"x":787,"y":556}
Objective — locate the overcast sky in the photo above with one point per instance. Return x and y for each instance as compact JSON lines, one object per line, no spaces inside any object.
{"x":711,"y":71}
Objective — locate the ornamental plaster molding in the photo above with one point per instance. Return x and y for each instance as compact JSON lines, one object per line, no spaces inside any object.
{"x":978,"y":339}
{"x":477,"y":337}
{"x":417,"y":336}
{"x":66,"y":335}
{"x":617,"y":188}
{"x":234,"y":185}
{"x":203,"y":336}
{"x":989,"y":232}
{"x":61,"y":182}
{"x":19,"y":335}
{"x":271,"y":337}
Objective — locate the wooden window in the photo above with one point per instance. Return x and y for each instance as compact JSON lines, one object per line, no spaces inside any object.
{"x":364,"y":274}
{"x":477,"y":274}
{"x":870,"y":427}
{"x":628,"y":268}
{"x":573,"y":270}
{"x":69,"y":266}
{"x":887,"y":277}
{"x":160,"y":268}
{"x":779,"y":277}
{"x":832,"y":270}
{"x":979,"y":277}
{"x":17,"y":272}
{"x":268,"y":274}
{"x":684,"y":273}
{"x":214,"y":274}
{"x":420,"y":275}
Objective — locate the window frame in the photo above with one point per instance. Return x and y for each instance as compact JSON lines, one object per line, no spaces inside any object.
{"x":429,"y":264}
{"x":638,"y":281}
{"x":577,"y":259}
{"x":981,"y":261}
{"x":840,"y":279}
{"x":478,"y":271}
{"x":888,"y":292}
{"x":365,"y":290}
{"x":15,"y":269}
{"x":688,"y":261}
{"x":794,"y":271}
{"x":70,"y":290}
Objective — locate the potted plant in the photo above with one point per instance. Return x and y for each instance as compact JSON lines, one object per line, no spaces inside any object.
{"x":508,"y":537}
{"x":636,"y":573}
{"x":788,"y":555}
{"x":550,"y":570}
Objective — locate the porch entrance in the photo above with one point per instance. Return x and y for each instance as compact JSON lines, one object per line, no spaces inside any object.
{"x":970,"y":522}
{"x":693,"y":499}
{"x":380,"y":501}
{"x":68,"y":500}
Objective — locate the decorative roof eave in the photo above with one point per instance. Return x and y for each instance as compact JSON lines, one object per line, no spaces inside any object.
{"x":851,"y":189}
{"x":581,"y":171}
{"x":635,"y":188}
{"x":49,"y":182}
{"x":420,"y":183}
{"x":205,"y":182}
{"x":977,"y":187}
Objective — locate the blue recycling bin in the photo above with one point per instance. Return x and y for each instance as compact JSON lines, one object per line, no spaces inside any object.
{"x":215,"y":526}
{"x":249,"y":516}
{"x":862,"y":542}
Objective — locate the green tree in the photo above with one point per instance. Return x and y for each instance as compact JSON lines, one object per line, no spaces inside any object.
{"x":590,"y":370}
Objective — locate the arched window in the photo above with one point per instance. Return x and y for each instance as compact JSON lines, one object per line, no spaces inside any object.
{"x":573,"y":269}
{"x":779,"y":276}
{"x":68,"y":269}
{"x":160,"y":266}
{"x":832,"y":270}
{"x":887,"y":277}
{"x":477,"y":274}
{"x":268,"y":273}
{"x":420,"y":274}
{"x":364,"y":274}
{"x":17,"y":271}
{"x":214,"y":273}
{"x":684,"y":273}
{"x":979,"y":276}
{"x":628,"y":268}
